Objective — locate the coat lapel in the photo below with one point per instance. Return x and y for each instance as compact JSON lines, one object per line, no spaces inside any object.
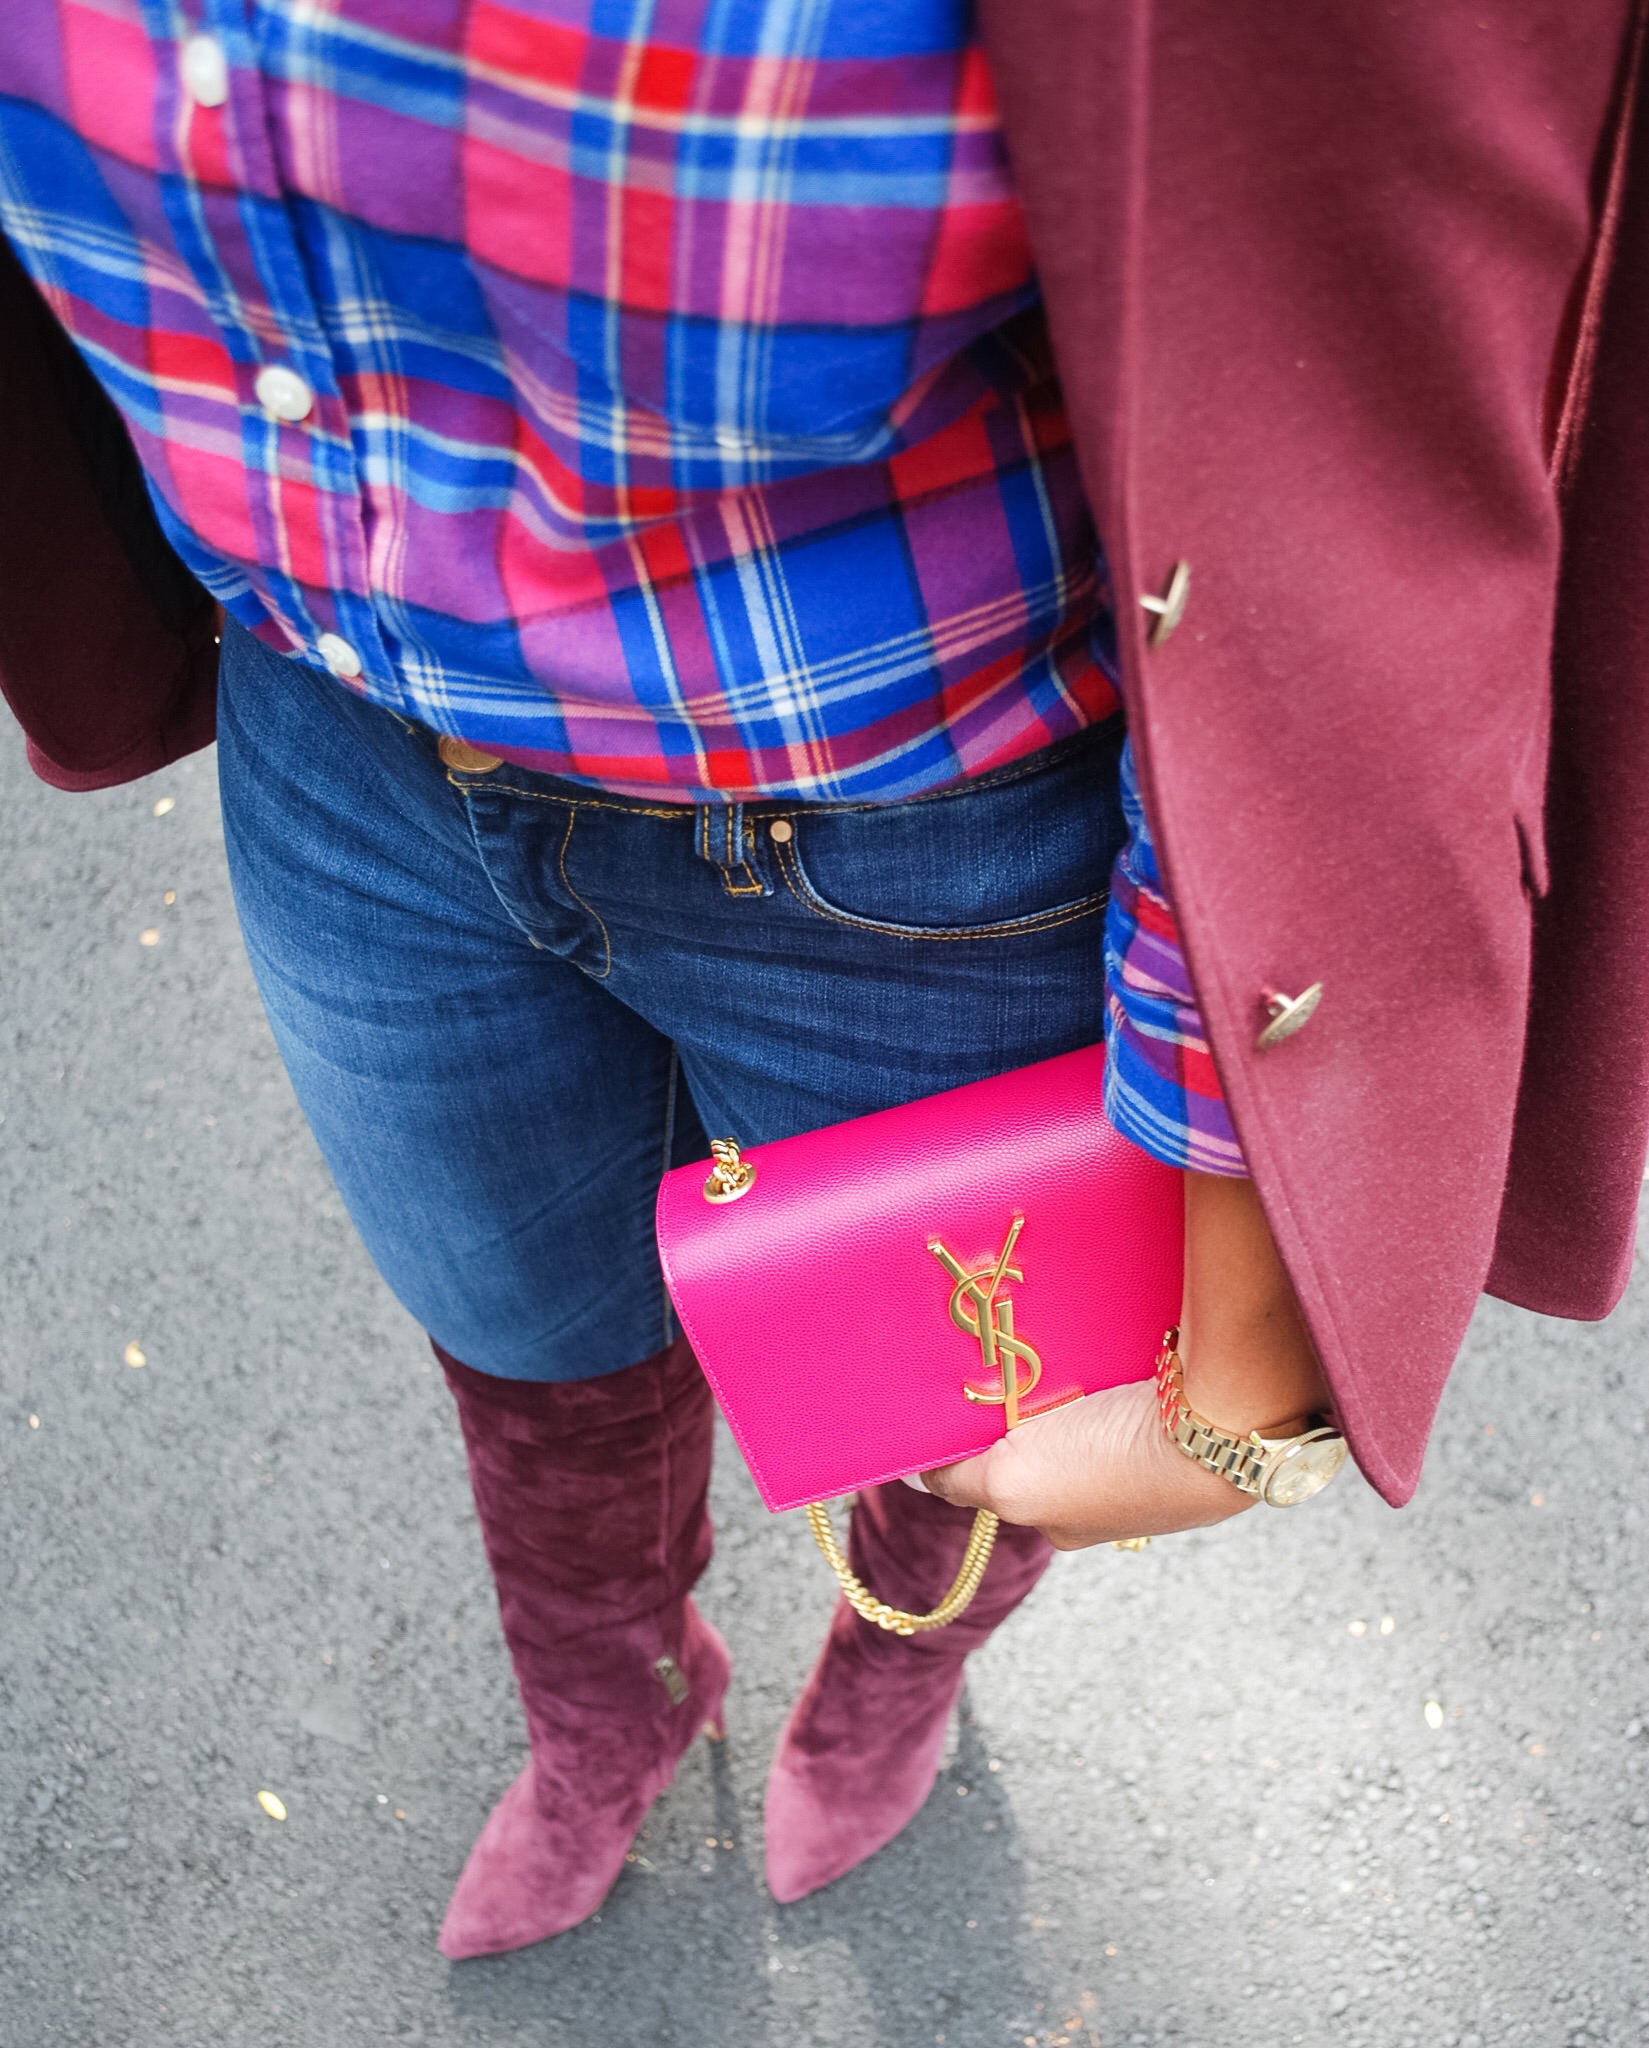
{"x":1081,"y":184}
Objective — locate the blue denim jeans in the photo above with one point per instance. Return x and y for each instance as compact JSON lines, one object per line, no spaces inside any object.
{"x":508,"y":1002}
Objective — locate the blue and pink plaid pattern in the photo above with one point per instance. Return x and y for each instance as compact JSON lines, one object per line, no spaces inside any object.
{"x":684,"y":418}
{"x":683,"y":414}
{"x":1161,"y":1089}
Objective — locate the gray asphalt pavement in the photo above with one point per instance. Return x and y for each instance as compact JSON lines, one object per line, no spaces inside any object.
{"x":1198,"y":1796}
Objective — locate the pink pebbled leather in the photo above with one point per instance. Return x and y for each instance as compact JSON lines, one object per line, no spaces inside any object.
{"x":822,"y":1319}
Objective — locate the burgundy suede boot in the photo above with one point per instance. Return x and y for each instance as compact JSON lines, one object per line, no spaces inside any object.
{"x":861,"y":1749}
{"x":591,"y":1497}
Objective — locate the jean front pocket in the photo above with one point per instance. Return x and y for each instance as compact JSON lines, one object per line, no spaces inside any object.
{"x":1006,"y":856}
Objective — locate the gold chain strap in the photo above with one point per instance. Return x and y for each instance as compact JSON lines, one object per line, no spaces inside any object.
{"x":981,"y":1541}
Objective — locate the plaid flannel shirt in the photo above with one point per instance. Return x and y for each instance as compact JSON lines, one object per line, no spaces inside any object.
{"x":660,"y":390}
{"x":1161,"y":1089}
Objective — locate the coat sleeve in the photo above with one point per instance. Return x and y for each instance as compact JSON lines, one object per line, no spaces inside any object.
{"x":107,"y":652}
{"x":1310,"y":278}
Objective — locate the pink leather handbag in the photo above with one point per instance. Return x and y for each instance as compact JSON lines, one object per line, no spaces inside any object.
{"x":894,"y":1293}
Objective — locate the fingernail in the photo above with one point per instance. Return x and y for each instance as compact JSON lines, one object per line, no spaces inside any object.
{"x":916,"y":1480}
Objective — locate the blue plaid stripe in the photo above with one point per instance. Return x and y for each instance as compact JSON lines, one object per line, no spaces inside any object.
{"x":1161,"y":1089}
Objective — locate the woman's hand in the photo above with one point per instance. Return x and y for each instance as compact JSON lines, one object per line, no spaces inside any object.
{"x":1101,"y":1469}
{"x":1104,"y":1467}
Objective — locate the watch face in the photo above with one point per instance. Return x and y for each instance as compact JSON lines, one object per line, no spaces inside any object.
{"x":1304,"y":1469}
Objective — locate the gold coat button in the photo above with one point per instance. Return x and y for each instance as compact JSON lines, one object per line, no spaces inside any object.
{"x":1288,"y":1014}
{"x":467,"y":760}
{"x":1169,"y":609}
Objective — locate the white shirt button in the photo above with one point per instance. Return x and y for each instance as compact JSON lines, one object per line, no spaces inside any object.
{"x":338,"y":655}
{"x":282,"y":393}
{"x":205,"y":71}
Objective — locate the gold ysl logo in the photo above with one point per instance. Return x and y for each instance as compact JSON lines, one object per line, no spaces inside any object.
{"x":977,"y":1313}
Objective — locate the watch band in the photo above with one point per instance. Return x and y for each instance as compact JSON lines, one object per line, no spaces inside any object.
{"x":1249,"y":1462}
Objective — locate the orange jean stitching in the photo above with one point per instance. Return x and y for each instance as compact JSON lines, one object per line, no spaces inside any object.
{"x":1042,"y":921}
{"x":573,"y":803}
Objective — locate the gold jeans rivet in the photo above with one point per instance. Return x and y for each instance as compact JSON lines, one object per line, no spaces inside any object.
{"x":465,"y":759}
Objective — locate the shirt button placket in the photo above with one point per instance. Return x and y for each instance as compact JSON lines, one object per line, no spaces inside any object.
{"x":271,"y":299}
{"x":285,"y":396}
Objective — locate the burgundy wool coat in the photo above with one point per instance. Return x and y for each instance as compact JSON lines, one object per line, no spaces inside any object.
{"x":1351,"y":304}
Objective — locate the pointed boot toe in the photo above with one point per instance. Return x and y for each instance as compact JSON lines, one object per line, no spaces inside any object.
{"x":862,"y":1748}
{"x":519,"y":1884}
{"x":831,"y":1804}
{"x":535,"y":1872}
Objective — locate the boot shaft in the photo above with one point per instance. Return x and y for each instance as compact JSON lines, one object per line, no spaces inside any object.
{"x":592,"y":1500}
{"x":908,"y":1547}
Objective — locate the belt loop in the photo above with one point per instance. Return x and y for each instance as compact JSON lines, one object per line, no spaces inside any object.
{"x":725,"y":840}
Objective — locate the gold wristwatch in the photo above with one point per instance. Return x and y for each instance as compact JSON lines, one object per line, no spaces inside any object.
{"x":1281,"y":1470}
